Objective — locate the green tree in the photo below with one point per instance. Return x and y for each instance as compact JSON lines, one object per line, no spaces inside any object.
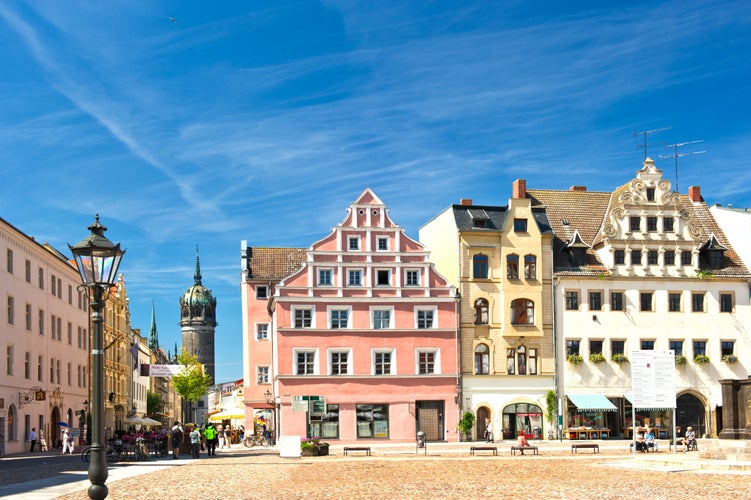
{"x":192,"y":382}
{"x":154,"y":403}
{"x":551,"y":405}
{"x":466,"y":423}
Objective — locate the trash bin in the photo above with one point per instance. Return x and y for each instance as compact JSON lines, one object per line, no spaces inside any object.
{"x":420,"y":439}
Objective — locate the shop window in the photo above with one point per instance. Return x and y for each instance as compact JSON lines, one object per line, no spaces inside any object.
{"x":482,"y":360}
{"x":324,"y":420}
{"x":522,"y":418}
{"x":372,"y":420}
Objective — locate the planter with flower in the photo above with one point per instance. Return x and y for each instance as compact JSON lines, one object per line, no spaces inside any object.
{"x":729,"y":359}
{"x":680,"y":359}
{"x":701,"y":359}
{"x":596,"y":357}
{"x":575,"y":359}
{"x":313,"y":447}
{"x":620,"y":358}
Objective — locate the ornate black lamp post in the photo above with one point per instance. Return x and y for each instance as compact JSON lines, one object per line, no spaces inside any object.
{"x":97,"y":259}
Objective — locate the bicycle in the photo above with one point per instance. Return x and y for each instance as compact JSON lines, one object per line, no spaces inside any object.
{"x":111,"y":454}
{"x":256,"y":440}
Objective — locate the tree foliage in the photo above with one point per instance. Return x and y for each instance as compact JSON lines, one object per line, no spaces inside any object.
{"x":154,"y":403}
{"x":551,"y":406}
{"x":192,"y":382}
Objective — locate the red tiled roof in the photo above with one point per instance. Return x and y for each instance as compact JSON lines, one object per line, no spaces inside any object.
{"x":274,"y":263}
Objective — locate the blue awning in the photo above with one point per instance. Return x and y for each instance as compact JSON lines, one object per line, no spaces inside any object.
{"x":595,"y":402}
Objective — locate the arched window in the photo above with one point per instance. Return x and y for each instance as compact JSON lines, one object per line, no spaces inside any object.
{"x":481,"y":312}
{"x":480,"y":266}
{"x":512,"y":267}
{"x":522,"y":312}
{"x":482,"y":360}
{"x":530,"y":267}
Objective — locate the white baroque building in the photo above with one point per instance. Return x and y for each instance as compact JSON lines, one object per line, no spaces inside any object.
{"x":643,"y":267}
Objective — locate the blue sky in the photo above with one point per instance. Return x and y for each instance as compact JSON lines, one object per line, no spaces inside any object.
{"x":263,"y":121}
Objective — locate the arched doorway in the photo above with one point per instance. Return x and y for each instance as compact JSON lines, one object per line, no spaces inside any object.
{"x":524,"y":417}
{"x":483,"y":413}
{"x":690,"y":411}
{"x":52,"y":434}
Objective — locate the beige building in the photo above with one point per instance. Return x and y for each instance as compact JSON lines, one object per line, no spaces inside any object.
{"x":44,"y":336}
{"x":500,"y":258}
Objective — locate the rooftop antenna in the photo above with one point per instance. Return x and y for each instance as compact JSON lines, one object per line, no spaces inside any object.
{"x":677,"y":155}
{"x":645,"y":133}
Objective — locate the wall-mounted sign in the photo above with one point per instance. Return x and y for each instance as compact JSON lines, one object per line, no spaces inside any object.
{"x":40,"y":396}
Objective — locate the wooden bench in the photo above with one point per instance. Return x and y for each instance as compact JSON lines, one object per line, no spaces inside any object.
{"x":595,"y":447}
{"x":348,"y":449}
{"x":494,"y":449}
{"x":522,"y":449}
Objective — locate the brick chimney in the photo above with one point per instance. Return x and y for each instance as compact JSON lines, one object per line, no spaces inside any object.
{"x":694,"y":192}
{"x":579,"y":189}
{"x":466,"y":201}
{"x":519,"y":189}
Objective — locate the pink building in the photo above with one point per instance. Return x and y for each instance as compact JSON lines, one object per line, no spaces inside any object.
{"x":365,"y":341}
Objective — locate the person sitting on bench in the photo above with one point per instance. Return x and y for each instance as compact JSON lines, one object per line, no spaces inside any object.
{"x":521,"y":439}
{"x":641,"y":445}
{"x":690,"y":440}
{"x":649,"y":440}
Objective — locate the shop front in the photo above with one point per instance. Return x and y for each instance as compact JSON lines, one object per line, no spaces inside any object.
{"x":587,"y":416}
{"x":522,"y":417}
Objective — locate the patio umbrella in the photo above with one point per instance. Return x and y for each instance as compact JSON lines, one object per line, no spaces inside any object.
{"x":134,"y":420}
{"x":150,"y":421}
{"x":63,"y":424}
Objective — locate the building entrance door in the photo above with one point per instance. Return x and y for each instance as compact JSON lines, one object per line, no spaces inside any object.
{"x":430,"y":419}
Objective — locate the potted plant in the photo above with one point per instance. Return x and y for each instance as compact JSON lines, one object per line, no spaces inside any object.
{"x":701,"y":359}
{"x":466,"y":424}
{"x":620,"y":358}
{"x":309,"y":448}
{"x":680,"y":359}
{"x":729,"y":359}
{"x":596,"y":357}
{"x":551,"y":405}
{"x":575,"y":359}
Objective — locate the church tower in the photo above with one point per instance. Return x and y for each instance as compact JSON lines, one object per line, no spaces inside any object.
{"x":198,"y":321}
{"x":153,"y":337}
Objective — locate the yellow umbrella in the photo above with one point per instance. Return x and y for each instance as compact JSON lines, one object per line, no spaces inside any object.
{"x":227,"y":415}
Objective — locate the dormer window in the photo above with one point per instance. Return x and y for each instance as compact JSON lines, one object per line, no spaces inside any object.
{"x":576,"y":250}
{"x":482,"y":223}
{"x":712,"y":253}
{"x":650,"y":194}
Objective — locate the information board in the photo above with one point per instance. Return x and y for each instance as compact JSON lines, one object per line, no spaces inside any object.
{"x":653,"y":379}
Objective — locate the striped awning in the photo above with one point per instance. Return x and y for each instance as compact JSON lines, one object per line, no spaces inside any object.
{"x":630,"y":398}
{"x":595,"y":402}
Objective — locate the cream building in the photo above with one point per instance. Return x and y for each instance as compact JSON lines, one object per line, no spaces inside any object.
{"x":499,"y":257}
{"x":44,"y":337}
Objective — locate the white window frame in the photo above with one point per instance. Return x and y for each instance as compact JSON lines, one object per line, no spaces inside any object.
{"x":351,"y":240}
{"x":265,"y":294}
{"x":375,"y":277}
{"x":392,"y":367}
{"x":433,"y":310}
{"x":316,"y":361}
{"x":390,"y":310}
{"x":330,"y":276}
{"x":268,"y":332}
{"x":436,"y":360}
{"x":329,"y":315}
{"x":349,"y":277}
{"x":379,"y":239}
{"x":258,"y":374}
{"x":293,"y":312}
{"x":419,"y":277}
{"x":330,"y":352}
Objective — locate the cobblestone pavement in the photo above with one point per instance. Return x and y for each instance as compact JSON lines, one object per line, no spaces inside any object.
{"x":443,"y":473}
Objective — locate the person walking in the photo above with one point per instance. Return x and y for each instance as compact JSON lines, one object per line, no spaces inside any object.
{"x":67,"y":442}
{"x":176,"y":437}
{"x":228,"y":437}
{"x":33,"y":438}
{"x":210,"y":434}
{"x":195,"y":442}
{"x":220,"y":436}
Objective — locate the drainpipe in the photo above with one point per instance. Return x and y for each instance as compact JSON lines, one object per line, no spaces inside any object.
{"x":458,"y":336}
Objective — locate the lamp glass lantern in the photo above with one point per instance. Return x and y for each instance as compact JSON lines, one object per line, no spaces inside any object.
{"x":269,"y":398}
{"x":97,"y":258}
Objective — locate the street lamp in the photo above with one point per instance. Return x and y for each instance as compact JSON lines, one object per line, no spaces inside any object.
{"x":269,"y":398}
{"x":97,"y":260}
